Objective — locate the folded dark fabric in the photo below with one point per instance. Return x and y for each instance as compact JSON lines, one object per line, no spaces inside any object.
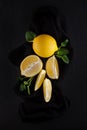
{"x":35,"y":109}
{"x":18,"y":54}
{"x":46,"y":20}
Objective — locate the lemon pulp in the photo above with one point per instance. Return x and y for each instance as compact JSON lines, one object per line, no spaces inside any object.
{"x":47,"y":89}
{"x":52,"y":68}
{"x":31,"y":66}
{"x":40,"y":79}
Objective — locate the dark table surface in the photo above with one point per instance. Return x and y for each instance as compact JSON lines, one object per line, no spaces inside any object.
{"x":13,"y":25}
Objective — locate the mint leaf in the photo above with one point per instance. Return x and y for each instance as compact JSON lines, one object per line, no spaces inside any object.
{"x":29,"y":36}
{"x":65,"y":59}
{"x":25,"y":83}
{"x":64,"y":44}
{"x":22,"y":87}
{"x":63,"y":51}
{"x":58,"y":56}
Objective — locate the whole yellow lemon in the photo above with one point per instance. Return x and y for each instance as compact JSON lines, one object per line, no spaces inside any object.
{"x":44,"y":45}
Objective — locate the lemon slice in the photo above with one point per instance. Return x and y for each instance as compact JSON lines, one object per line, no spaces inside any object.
{"x":44,"y":45}
{"x":40,"y":79}
{"x":47,"y":89}
{"x":52,"y":68}
{"x":31,"y":66}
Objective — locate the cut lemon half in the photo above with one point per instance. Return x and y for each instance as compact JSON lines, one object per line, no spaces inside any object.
{"x":52,"y":68}
{"x":44,"y":45}
{"x":31,"y":66}
{"x":47,"y":90}
{"x":40,"y":79}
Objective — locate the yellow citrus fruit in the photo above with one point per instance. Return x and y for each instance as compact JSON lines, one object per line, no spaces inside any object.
{"x":47,"y":90}
{"x":40,"y":79}
{"x":31,"y":66}
{"x":44,"y":45}
{"x":52,"y":68}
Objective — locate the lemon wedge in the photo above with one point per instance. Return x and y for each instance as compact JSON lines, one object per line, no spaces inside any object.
{"x":52,"y":68}
{"x":40,"y":79}
{"x":47,"y":90}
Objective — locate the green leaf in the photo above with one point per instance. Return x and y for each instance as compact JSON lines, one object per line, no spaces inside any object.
{"x":63,"y":51}
{"x":64,"y":44}
{"x":22,"y":87}
{"x":65,"y":59}
{"x":58,"y":56}
{"x":30,"y":36}
{"x":25,"y":83}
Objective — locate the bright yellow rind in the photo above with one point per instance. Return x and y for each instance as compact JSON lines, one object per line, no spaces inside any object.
{"x":44,"y":45}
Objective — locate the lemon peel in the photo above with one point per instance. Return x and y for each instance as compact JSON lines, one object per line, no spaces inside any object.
{"x":44,"y":45}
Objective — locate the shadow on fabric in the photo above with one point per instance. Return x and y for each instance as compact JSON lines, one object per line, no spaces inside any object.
{"x":45,"y":20}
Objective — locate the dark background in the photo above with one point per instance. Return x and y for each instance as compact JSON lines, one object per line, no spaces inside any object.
{"x":13,"y":25}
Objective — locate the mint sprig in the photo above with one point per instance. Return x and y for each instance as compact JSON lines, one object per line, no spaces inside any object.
{"x":25,"y":84}
{"x":29,"y":36}
{"x":63,"y":52}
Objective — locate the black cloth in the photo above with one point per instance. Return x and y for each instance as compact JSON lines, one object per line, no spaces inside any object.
{"x":34,"y":108}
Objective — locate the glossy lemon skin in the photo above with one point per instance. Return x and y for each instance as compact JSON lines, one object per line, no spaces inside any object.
{"x":44,"y":45}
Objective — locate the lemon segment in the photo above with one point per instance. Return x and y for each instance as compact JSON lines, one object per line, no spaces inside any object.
{"x":44,"y":45}
{"x":52,"y":68}
{"x":40,"y":79}
{"x":31,"y":66}
{"x":47,"y":90}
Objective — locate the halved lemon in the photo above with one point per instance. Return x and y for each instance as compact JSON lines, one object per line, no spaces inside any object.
{"x":40,"y":79}
{"x":47,"y":89}
{"x":44,"y":45}
{"x":52,"y":68}
{"x":31,"y":66}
